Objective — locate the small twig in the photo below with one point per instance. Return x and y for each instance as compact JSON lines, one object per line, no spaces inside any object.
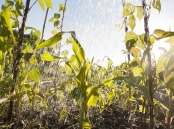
{"x":63,"y":15}
{"x":33,"y":5}
{"x":44,"y":25}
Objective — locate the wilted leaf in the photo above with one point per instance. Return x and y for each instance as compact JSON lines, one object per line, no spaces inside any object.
{"x":128,"y":9}
{"x":132,"y":22}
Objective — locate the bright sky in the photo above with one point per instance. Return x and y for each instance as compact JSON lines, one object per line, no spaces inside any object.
{"x":94,"y":23}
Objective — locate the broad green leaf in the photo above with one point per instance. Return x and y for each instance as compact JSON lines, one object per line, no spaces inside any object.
{"x":6,"y":14}
{"x":135,"y":62}
{"x":132,"y":22}
{"x":41,"y":3}
{"x":56,"y":15}
{"x":170,"y":40}
{"x":47,"y":57}
{"x":161,"y":64}
{"x":159,"y":32}
{"x":87,"y":124}
{"x":139,"y":12}
{"x":128,"y":9}
{"x":63,"y":113}
{"x":48,"y":3}
{"x":135,"y":52}
{"x":140,"y":41}
{"x":34,"y":74}
{"x":157,"y":5}
{"x":131,"y":43}
{"x":137,"y":71}
{"x":78,"y":50}
{"x":130,"y":35}
{"x":93,"y":100}
{"x":53,"y":40}
{"x":169,"y":79}
{"x":152,"y":40}
{"x":167,"y":34}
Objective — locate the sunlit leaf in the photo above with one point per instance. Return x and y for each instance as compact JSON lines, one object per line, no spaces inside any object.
{"x":137,"y":71}
{"x":132,"y":22}
{"x":135,"y":52}
{"x":56,"y":23}
{"x":6,"y":14}
{"x":93,"y":100}
{"x":87,"y":124}
{"x":61,"y":7}
{"x":159,"y":32}
{"x":78,"y":50}
{"x":56,"y":15}
{"x":47,"y":57}
{"x":130,"y":35}
{"x":63,"y":113}
{"x":140,"y":41}
{"x":53,"y":40}
{"x":52,"y":19}
{"x":157,"y":5}
{"x":161,"y":64}
{"x":48,"y":3}
{"x":41,"y":3}
{"x":128,"y":9}
{"x":170,"y":40}
{"x":139,"y":12}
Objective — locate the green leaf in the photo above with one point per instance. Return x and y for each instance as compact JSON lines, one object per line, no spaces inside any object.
{"x":48,"y":3}
{"x":135,"y":62}
{"x":52,"y":19}
{"x":87,"y":124}
{"x":139,"y":12}
{"x":47,"y":57}
{"x":128,"y":9}
{"x":6,"y":14}
{"x":132,"y":22}
{"x":78,"y":50}
{"x":41,"y":3}
{"x":157,"y":5}
{"x":34,"y":74}
{"x":167,"y":34}
{"x":161,"y":64}
{"x":61,"y":7}
{"x":170,"y":40}
{"x":140,"y":41}
{"x":130,"y":35}
{"x":159,"y":32}
{"x":56,"y":15}
{"x":56,"y":23}
{"x":93,"y":100}
{"x":54,"y":39}
{"x":137,"y":71}
{"x":63,"y":113}
{"x":135,"y":52}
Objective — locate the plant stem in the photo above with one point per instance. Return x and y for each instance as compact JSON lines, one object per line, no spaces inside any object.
{"x":146,"y":12}
{"x":43,"y":30}
{"x":17,"y":58}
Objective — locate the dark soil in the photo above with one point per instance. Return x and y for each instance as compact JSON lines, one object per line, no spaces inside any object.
{"x":111,"y":118}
